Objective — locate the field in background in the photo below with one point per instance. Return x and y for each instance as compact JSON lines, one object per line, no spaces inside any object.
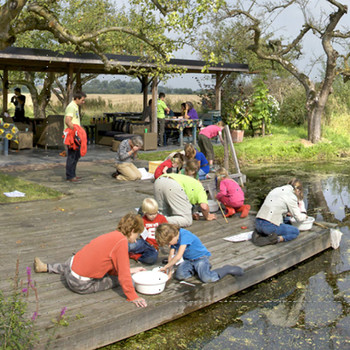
{"x":97,"y":104}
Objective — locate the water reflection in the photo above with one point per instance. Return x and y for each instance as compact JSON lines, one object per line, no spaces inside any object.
{"x":315,"y":314}
{"x":307,"y":307}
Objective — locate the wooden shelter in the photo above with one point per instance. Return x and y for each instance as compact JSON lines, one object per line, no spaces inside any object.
{"x":38,"y":60}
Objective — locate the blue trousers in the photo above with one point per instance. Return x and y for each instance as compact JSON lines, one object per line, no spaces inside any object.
{"x":286,"y":230}
{"x":71,"y":164}
{"x":200,"y":266}
{"x":149,"y":253}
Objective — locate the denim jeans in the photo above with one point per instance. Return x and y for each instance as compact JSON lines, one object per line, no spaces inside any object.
{"x":202,"y":174}
{"x":200,"y":266}
{"x":149,"y":253}
{"x":286,"y":230}
{"x":71,"y":164}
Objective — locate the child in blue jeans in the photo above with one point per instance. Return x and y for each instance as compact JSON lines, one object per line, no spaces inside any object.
{"x":184,"y":244}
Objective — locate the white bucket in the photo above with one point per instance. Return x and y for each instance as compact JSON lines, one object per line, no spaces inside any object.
{"x":303,"y":225}
{"x":150,"y":282}
{"x":213,"y":205}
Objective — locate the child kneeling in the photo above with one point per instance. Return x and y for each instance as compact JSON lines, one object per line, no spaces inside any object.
{"x":184,"y":244}
{"x":146,"y":248}
{"x":230,"y":194}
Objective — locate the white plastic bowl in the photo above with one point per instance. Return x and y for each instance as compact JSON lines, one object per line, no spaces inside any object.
{"x":213,"y":205}
{"x":150,"y":282}
{"x":304,"y":225}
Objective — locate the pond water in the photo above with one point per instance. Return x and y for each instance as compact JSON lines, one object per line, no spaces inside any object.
{"x":306,"y":307}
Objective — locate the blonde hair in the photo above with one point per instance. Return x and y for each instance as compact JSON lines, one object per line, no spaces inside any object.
{"x":130,"y":223}
{"x":297,"y":185}
{"x":149,"y":205}
{"x":190,"y":151}
{"x":165,"y":233}
{"x":192,"y":166}
{"x":221,"y":174}
{"x":220,"y":123}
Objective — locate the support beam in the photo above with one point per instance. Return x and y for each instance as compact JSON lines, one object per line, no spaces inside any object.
{"x":154,"y":125}
{"x":220,"y":77}
{"x":5,"y":83}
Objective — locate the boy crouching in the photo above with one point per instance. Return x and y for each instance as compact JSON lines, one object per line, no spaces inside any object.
{"x":184,"y":244}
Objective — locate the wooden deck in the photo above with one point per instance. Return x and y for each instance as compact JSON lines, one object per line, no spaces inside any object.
{"x":53,"y":230}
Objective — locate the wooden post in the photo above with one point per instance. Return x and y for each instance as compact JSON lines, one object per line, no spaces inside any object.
{"x":69,"y":85}
{"x":154,"y":125}
{"x":234,"y":156}
{"x":5,"y":90}
{"x":220,"y":77}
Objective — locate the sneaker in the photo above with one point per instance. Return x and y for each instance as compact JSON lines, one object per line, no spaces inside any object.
{"x":207,"y":176}
{"x":39,"y":266}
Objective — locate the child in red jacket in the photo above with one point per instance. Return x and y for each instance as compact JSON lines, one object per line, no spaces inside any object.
{"x":146,"y":248}
{"x":166,"y":167}
{"x":230,"y":194}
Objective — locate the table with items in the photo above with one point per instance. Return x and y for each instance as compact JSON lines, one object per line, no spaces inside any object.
{"x":180,"y":124}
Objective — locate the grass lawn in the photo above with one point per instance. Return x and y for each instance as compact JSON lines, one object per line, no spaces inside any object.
{"x":285,"y":144}
{"x":32,"y":191}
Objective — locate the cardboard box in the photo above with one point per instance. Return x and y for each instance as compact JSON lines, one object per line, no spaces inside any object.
{"x":153,"y":165}
{"x":149,"y":141}
{"x":25,"y":140}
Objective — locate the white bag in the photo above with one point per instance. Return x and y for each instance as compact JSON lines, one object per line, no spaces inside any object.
{"x":335,"y":238}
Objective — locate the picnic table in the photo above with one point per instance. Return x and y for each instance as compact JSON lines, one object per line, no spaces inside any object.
{"x":8,"y":132}
{"x":181,"y":124}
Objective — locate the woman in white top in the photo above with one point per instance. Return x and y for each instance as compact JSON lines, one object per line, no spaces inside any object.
{"x":271,"y":218}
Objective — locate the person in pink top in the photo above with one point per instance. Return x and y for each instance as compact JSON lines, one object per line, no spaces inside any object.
{"x":103,"y":263}
{"x":230,"y":194}
{"x":204,"y":140}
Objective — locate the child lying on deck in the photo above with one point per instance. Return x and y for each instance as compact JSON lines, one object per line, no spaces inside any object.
{"x":184,"y":244}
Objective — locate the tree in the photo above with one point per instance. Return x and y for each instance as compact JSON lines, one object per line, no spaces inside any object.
{"x":256,"y":17}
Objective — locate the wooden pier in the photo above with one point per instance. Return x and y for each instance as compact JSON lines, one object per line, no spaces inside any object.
{"x":53,"y":230}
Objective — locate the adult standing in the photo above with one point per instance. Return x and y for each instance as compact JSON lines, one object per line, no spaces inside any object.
{"x":19,"y":101}
{"x":162,"y":109}
{"x":72,"y":117}
{"x":126,"y":154}
{"x":271,"y":217}
{"x":176,"y":194}
{"x":204,"y":141}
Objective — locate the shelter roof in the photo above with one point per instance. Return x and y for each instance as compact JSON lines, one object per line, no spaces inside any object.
{"x":39,"y":60}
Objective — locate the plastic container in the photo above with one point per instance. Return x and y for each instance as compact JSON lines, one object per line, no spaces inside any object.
{"x":213,"y":205}
{"x":303,"y":225}
{"x":150,"y":282}
{"x":152,"y":166}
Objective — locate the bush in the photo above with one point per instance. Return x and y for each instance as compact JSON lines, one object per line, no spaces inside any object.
{"x":293,"y":111}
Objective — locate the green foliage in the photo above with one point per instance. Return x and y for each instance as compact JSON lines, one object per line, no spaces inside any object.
{"x":293,"y":110}
{"x":250,"y":112}
{"x":16,"y":328}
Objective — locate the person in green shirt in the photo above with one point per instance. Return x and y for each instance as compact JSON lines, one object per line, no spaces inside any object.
{"x":162,"y":109}
{"x":176,"y":194}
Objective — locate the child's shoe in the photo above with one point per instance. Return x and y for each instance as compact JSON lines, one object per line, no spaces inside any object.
{"x":135,"y":256}
{"x":229,"y":270}
{"x":244,"y":209}
{"x":39,"y":266}
{"x":63,"y":154}
{"x":229,"y":212}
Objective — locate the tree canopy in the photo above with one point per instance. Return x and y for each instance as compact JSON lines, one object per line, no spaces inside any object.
{"x":257,"y":18}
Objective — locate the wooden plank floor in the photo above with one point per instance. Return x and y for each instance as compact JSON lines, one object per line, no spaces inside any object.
{"x":53,"y":230}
